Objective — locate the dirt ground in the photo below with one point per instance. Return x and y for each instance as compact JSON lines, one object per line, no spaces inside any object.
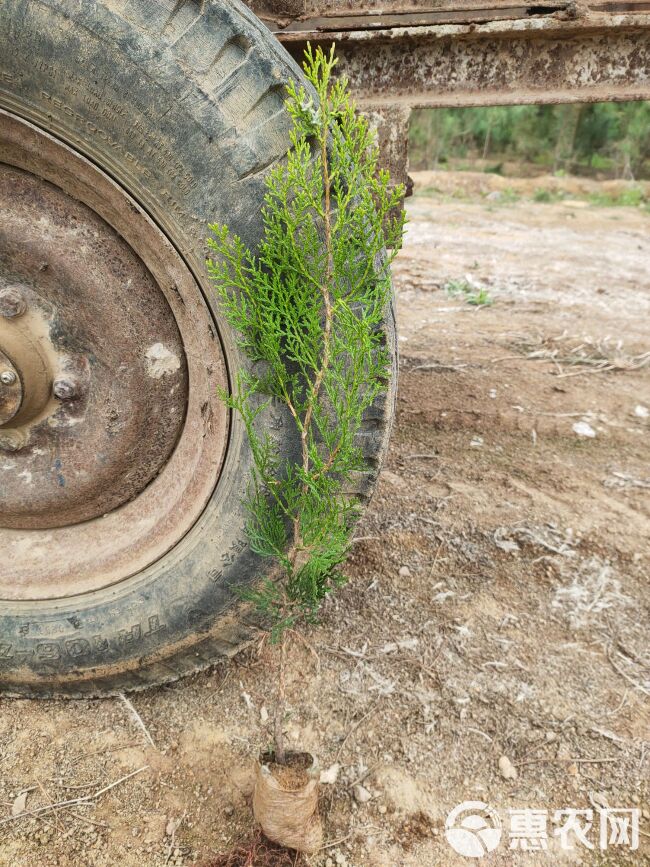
{"x":498,"y":602}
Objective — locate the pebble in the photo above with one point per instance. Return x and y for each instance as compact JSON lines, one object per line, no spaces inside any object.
{"x":330,"y":776}
{"x":583,"y":429}
{"x":507,"y":769}
{"x":361,"y":794}
{"x":404,"y":571}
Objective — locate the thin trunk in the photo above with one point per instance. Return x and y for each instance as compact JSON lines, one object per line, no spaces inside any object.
{"x":315,"y":387}
{"x":280,"y":707}
{"x":486,"y":143}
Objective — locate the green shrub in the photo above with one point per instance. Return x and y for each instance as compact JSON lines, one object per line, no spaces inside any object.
{"x":309,"y":307}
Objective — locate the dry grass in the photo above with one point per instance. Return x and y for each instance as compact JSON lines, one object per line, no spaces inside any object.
{"x":586,"y":354}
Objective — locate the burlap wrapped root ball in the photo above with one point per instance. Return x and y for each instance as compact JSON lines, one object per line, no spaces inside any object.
{"x":285,"y":802}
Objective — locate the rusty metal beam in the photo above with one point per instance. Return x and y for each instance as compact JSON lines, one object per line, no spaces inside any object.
{"x":404,"y":55}
{"x":316,"y":26}
{"x":542,"y":59}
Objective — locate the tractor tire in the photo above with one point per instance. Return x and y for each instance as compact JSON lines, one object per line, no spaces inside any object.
{"x":126,"y":127}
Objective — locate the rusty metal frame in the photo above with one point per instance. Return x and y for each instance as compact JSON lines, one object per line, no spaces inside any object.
{"x":471,"y":53}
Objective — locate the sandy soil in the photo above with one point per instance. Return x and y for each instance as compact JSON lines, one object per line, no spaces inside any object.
{"x":498,"y":602}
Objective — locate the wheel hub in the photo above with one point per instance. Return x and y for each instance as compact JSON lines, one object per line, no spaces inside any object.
{"x":11,"y":392}
{"x":112,"y":436}
{"x":27,"y":351}
{"x":98,"y":418}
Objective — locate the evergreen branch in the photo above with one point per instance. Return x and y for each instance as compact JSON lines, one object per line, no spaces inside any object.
{"x":308,"y":307}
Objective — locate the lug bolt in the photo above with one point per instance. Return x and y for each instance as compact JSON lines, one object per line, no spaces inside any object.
{"x":7,"y":377}
{"x":66,"y":388}
{"x":12,"y":302}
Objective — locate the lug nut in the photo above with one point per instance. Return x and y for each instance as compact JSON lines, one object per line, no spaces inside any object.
{"x":12,"y":302}
{"x":7,"y":377}
{"x":66,"y":388}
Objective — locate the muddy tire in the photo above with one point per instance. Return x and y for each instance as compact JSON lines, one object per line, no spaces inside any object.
{"x":127,"y":126}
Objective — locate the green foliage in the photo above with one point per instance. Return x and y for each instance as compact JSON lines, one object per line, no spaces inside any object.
{"x":508,"y":196}
{"x":308,"y":306}
{"x":463,"y":288}
{"x":610,"y":137}
{"x":633,"y":197}
{"x":548,"y":196}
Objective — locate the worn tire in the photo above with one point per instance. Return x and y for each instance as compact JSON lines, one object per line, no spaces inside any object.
{"x":181,"y":104}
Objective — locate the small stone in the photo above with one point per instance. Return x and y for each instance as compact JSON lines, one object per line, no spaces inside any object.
{"x":641,"y":411}
{"x":507,"y":769}
{"x":572,"y":770}
{"x":382,"y":809}
{"x":583,"y":429}
{"x":550,"y":737}
{"x":330,"y":776}
{"x":361,"y":794}
{"x":645,"y":813}
{"x":264,"y":715}
{"x":404,"y":571}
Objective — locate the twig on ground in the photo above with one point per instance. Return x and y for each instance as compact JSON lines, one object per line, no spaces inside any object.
{"x":365,"y":829}
{"x":625,"y":675}
{"x":90,"y":821}
{"x":438,"y":366}
{"x":172,"y":837}
{"x":63,"y":785}
{"x":137,"y":719}
{"x":354,"y":728}
{"x":364,"y":776}
{"x":479,"y":732}
{"x":424,"y":457}
{"x":47,"y":797}
{"x":73,"y":801}
{"x":619,"y":706}
{"x":575,"y":760}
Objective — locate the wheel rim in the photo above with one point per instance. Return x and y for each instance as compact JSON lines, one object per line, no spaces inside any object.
{"x":111,"y":433}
